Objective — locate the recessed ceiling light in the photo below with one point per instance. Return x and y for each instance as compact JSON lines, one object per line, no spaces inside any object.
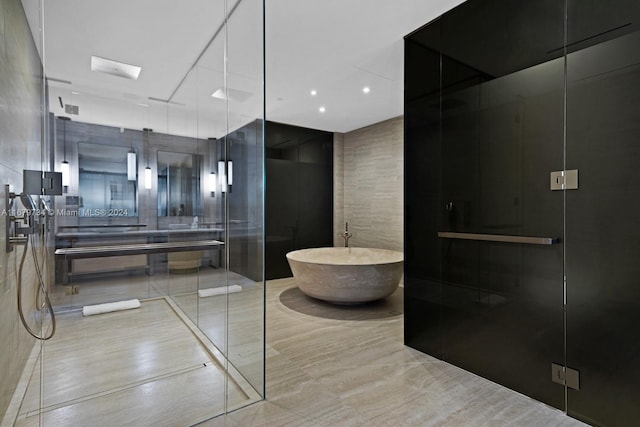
{"x":115,"y":68}
{"x":366,"y":89}
{"x":73,"y":92}
{"x":314,"y":92}
{"x":322,"y":109}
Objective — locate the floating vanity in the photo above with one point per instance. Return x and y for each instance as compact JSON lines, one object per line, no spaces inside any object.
{"x":129,"y":250}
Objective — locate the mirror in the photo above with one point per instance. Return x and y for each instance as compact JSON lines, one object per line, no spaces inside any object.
{"x":104,"y":188}
{"x":179,"y":184}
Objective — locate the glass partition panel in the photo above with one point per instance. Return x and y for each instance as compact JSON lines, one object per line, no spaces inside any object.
{"x":226,"y":299}
{"x":155,"y":305}
{"x":245,"y":203}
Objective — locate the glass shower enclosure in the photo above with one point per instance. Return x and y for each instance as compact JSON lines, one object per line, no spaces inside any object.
{"x":521,"y":153}
{"x":153,"y":112}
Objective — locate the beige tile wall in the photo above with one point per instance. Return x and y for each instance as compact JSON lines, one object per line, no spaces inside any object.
{"x":338,"y":187}
{"x":368,"y":185}
{"x":20,"y":148}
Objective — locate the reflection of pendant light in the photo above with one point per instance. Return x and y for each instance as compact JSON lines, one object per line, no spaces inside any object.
{"x":240,"y":137}
{"x":147,"y":170}
{"x":64,"y":166}
{"x":131,"y":165}
{"x":213,"y":179}
{"x":222,"y":177}
{"x":213,"y":182}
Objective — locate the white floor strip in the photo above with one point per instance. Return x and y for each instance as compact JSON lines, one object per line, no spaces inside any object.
{"x":222,"y":290}
{"x":90,"y":310}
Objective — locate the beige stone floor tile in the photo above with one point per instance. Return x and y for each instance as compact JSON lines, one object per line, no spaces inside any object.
{"x":94,"y":354}
{"x":134,"y":367}
{"x":324,"y":372}
{"x":364,"y":367}
{"x":183,"y":399}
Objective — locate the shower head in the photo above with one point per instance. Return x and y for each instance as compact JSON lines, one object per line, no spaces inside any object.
{"x":27,"y":202}
{"x":46,"y":207}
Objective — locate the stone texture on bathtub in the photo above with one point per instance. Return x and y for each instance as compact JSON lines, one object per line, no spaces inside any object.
{"x":346,"y":275}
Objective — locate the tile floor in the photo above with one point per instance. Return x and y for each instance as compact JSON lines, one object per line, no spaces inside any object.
{"x":100,"y":371}
{"x":326,"y":372}
{"x":323,"y":370}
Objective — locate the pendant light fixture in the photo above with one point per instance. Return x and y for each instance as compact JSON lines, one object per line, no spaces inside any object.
{"x":66,"y":171}
{"x":132,"y":165}
{"x":147,"y":170}
{"x":147,"y":178}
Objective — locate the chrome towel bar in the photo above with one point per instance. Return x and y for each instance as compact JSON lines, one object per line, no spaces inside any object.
{"x":136,"y":249}
{"x":500,"y":238}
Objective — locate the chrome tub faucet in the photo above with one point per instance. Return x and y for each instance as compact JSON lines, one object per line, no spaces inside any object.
{"x":346,"y":235}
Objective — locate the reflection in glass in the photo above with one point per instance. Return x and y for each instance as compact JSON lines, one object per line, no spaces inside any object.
{"x":222,"y":177}
{"x":104,"y":186}
{"x":179,"y":184}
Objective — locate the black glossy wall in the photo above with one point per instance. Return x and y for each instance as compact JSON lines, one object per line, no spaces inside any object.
{"x":299,"y":193}
{"x":496,"y":98}
{"x":245,"y":200}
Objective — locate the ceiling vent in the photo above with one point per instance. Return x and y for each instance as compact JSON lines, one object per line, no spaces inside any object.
{"x":115,"y":68}
{"x":71,"y":109}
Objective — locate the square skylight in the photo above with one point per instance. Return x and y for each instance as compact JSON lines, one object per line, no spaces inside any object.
{"x":234,"y":94}
{"x":115,"y":68}
{"x":219,"y":93}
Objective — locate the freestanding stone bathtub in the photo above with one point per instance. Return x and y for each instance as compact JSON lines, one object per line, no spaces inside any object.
{"x":346,"y":275}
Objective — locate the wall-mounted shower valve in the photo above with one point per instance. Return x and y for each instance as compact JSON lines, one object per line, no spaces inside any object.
{"x":18,"y":227}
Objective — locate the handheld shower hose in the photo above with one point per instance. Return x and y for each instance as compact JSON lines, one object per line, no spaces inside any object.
{"x":28,"y":202}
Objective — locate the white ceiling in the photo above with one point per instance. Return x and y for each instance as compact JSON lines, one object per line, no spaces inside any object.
{"x":333,"y":46}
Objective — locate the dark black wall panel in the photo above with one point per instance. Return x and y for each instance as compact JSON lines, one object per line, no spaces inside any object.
{"x":244,"y":202}
{"x":485,"y":125}
{"x":299,"y":193}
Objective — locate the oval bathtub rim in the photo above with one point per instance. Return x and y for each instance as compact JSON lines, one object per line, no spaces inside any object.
{"x":400,"y":260}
